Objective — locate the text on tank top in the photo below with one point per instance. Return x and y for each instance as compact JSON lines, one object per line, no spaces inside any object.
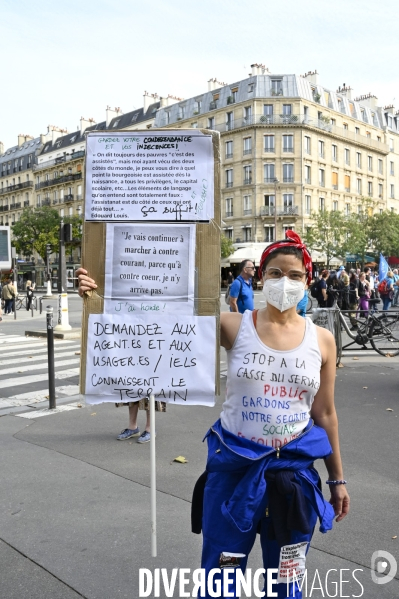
{"x":270,"y":392}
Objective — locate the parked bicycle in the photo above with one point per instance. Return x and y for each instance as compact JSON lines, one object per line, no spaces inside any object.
{"x":21,"y":302}
{"x":381,"y":330}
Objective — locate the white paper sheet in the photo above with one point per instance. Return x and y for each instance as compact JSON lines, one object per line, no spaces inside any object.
{"x":129,"y":358}
{"x":149,"y":176}
{"x":149,"y":268}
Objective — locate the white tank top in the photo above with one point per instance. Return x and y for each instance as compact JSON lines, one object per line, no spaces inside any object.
{"x":270,"y":392}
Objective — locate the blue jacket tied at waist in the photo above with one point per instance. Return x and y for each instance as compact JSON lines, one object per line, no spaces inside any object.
{"x":229,"y":453}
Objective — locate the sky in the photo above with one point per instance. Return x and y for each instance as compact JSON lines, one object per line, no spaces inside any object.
{"x":64,"y":60}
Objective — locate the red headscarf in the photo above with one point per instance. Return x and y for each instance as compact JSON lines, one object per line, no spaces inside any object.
{"x":292,"y":239}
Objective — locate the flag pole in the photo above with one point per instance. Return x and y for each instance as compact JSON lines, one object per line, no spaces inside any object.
{"x":153,"y":480}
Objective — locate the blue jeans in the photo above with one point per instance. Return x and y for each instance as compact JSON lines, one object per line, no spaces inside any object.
{"x":386,"y":302}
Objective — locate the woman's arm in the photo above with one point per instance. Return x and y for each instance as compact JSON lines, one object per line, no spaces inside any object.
{"x":324,"y":415}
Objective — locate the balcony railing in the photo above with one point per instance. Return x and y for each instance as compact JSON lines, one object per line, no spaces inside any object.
{"x":46,"y":202}
{"x":271,"y":149}
{"x":288,"y":211}
{"x":267,"y":211}
{"x":55,"y":201}
{"x":248,"y":181}
{"x":288,"y":179}
{"x":26,"y":203}
{"x":229,"y":213}
{"x":288,"y":149}
{"x":59,"y":180}
{"x":229,"y":183}
{"x":248,"y":151}
{"x":322,"y":184}
{"x":269,"y":180}
{"x":347,"y":189}
{"x":59,"y":160}
{"x":16,"y":187}
{"x":229,"y":125}
{"x":302,"y":120}
{"x":68,"y":198}
{"x":12,"y":206}
{"x":307,"y":180}
{"x":229,"y":155}
{"x":248,"y":212}
{"x":335,"y":186}
{"x":79,"y":196}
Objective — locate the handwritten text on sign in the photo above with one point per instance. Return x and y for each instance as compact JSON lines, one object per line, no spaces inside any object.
{"x":131,"y":358}
{"x":149,"y":176}
{"x":149,"y":268}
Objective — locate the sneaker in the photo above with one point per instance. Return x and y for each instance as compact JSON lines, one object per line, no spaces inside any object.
{"x":128,"y":433}
{"x":144,"y":437}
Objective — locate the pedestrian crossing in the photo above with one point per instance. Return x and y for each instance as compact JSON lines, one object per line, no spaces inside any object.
{"x":24,"y":370}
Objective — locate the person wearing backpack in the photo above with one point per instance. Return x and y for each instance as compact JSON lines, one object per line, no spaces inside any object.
{"x":322,"y":289}
{"x":385,"y":289}
{"x":241,"y":293}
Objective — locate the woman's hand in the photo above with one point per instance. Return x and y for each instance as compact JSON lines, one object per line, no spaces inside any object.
{"x":340,"y":501}
{"x":85,"y":282}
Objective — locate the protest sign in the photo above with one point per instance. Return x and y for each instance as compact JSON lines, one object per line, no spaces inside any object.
{"x":149,"y":268}
{"x":171,"y":358}
{"x":149,"y":176}
{"x":160,"y":270}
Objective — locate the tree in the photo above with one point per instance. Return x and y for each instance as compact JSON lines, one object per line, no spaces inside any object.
{"x":384,"y":234}
{"x":326,"y":233}
{"x":36,"y":228}
{"x":226,"y":246}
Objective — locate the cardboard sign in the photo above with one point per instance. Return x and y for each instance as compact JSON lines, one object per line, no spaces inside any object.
{"x":149,"y":176}
{"x":149,"y":268}
{"x":130,"y":359}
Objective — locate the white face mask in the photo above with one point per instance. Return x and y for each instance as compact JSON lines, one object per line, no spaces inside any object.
{"x":283,"y":293}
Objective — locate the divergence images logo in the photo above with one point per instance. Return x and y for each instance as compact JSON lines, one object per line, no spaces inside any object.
{"x":380,"y":562}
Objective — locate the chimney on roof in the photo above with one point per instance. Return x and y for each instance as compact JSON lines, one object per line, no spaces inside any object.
{"x":1,"y":147}
{"x":84,"y":123}
{"x":149,"y":99}
{"x":312,"y":76}
{"x":164,"y":101}
{"x":258,"y":69}
{"x":112,"y":113}
{"x":212,"y":85}
{"x":368,"y":100}
{"x":21,"y":139}
{"x":345,"y":91}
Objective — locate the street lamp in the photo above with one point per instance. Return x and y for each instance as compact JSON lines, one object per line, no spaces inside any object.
{"x":276,"y":182}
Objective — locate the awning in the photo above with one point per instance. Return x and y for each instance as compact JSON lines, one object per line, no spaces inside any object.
{"x":249,"y":252}
{"x":358,"y":258}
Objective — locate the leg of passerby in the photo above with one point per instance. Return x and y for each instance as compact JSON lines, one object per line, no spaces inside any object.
{"x":28,"y":302}
{"x":8,"y":306}
{"x":386,"y":302}
{"x":132,"y":430}
{"x":352,"y":315}
{"x":363,"y":309}
{"x":396,"y":296}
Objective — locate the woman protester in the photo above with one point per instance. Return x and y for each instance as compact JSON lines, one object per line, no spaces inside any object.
{"x":386,"y":290}
{"x":364,"y":295}
{"x":277,"y":419}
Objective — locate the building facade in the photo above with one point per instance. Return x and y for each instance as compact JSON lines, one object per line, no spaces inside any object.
{"x":290,"y":147}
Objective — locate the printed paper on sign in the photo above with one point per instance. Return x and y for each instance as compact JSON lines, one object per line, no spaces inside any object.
{"x":131,"y":357}
{"x":149,"y":268}
{"x":149,"y":176}
{"x":292,"y":562}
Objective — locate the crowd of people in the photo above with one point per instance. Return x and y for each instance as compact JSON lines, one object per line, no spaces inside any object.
{"x":354,"y":291}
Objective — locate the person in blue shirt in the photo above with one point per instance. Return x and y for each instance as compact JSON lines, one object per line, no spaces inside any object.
{"x":303,"y":304}
{"x":241,"y":292}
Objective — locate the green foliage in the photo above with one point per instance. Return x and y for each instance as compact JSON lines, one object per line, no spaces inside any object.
{"x":326,"y":233}
{"x":39,"y":226}
{"x":226,"y":246}
{"x":360,"y":233}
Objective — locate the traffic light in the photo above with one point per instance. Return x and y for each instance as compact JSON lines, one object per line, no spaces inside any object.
{"x":49,"y":251}
{"x":68,"y":232}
